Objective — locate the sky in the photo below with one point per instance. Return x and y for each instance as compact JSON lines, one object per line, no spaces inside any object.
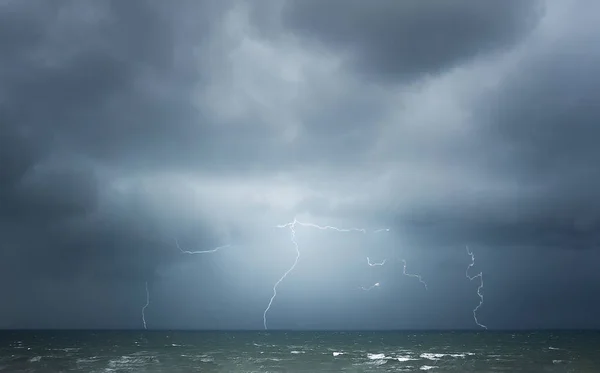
{"x":128,"y":126}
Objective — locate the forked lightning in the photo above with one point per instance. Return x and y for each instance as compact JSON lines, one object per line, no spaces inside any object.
{"x":418,"y":277}
{"x":375,"y":264}
{"x":146,"y":306}
{"x":292,"y":226}
{"x":479,"y":288}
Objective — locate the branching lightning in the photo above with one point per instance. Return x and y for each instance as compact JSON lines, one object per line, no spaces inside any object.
{"x":375,"y":264}
{"x":418,"y":277}
{"x":292,"y":226}
{"x":471,"y":278}
{"x":323,"y":228}
{"x":146,"y":306}
{"x":377,"y":284}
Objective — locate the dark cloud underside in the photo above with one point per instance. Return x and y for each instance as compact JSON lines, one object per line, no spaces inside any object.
{"x":391,"y":39}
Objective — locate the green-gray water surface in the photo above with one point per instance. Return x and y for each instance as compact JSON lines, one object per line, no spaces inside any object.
{"x":134,"y":351}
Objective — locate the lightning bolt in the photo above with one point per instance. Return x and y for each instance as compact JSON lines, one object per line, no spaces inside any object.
{"x":375,"y":264}
{"x":146,"y":306}
{"x":377,"y":284}
{"x":418,"y":277}
{"x":323,"y":228}
{"x":200,"y":251}
{"x":292,"y":226}
{"x":471,"y":278}
{"x":188,"y":252}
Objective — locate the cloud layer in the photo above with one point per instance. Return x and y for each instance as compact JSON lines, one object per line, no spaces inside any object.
{"x":125,"y":125}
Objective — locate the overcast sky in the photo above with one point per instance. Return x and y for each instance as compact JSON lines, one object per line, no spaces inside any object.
{"x":127,"y":125}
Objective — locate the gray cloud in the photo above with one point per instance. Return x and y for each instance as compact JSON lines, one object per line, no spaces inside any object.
{"x":400,"y":40}
{"x":125,"y":125}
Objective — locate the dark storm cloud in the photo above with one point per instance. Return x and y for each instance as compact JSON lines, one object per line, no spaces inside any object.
{"x":540,"y":125}
{"x":391,"y":39}
{"x":89,"y":78}
{"x":76,"y":96}
{"x":125,"y":124}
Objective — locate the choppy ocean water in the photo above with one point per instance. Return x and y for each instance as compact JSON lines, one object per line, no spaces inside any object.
{"x":131,"y":351}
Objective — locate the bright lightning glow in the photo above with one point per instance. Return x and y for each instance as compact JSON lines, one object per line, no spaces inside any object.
{"x":292,"y":227}
{"x":418,"y":277}
{"x":377,"y":284}
{"x":145,"y":306}
{"x":471,"y":278}
{"x":375,"y":264}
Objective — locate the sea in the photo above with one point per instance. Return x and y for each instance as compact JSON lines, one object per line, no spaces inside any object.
{"x":293,"y":351}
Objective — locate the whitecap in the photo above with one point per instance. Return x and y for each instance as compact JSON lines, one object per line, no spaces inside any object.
{"x":35,"y":359}
{"x":335,"y":353}
{"x":405,"y":358}
{"x":87,"y":360}
{"x":437,"y":356}
{"x":427,"y":367}
{"x":137,"y":360}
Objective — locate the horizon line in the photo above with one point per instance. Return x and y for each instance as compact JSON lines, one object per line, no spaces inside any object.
{"x":252,"y":330}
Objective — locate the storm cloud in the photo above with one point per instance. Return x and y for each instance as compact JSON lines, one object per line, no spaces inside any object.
{"x":127,"y":125}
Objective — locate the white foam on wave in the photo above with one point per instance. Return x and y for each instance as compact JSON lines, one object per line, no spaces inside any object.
{"x":438,"y":356}
{"x":87,"y":360}
{"x":383,"y":357}
{"x":431,"y":356}
{"x":405,"y":358}
{"x":297,"y":352}
{"x":67,"y":349}
{"x":336,"y":353}
{"x":378,"y":362}
{"x":427,"y":367}
{"x":204,"y":358}
{"x":35,"y":359}
{"x":136,"y":360}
